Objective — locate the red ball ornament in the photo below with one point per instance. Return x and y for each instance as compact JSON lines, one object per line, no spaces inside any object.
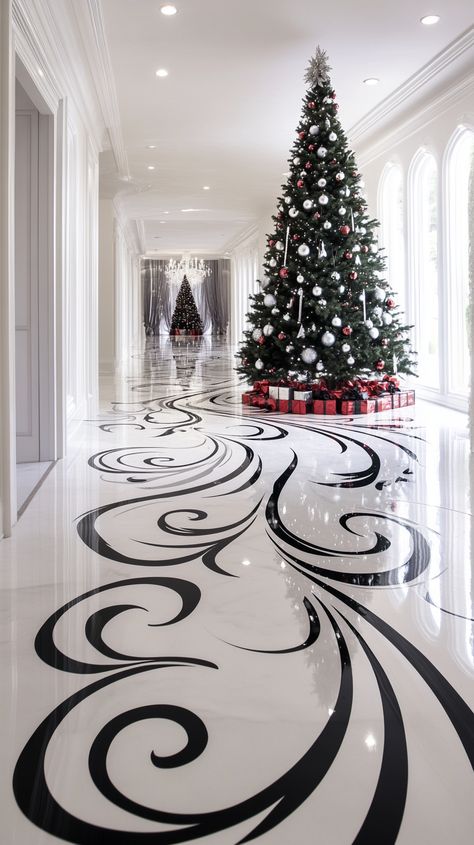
{"x":296,"y":237}
{"x":282,"y":336}
{"x":347,"y":331}
{"x":390,"y":303}
{"x":316,"y":215}
{"x":348,"y":254}
{"x":308,"y":165}
{"x":300,"y":183}
{"x":379,"y":364}
{"x":333,"y":162}
{"x":335,"y":106}
{"x":283,"y":273}
{"x":311,"y":148}
{"x":333,"y":95}
{"x":353,"y":275}
{"x":344,"y":230}
{"x":365,"y":249}
{"x":261,"y":340}
{"x":271,"y":243}
{"x":302,"y":135}
{"x":312,"y":104}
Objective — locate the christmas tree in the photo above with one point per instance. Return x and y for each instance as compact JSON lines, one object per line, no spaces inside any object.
{"x":186,"y":316}
{"x":325,"y":309}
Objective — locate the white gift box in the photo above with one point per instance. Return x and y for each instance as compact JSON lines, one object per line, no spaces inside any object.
{"x":285,"y":392}
{"x":273,"y":392}
{"x":303,"y":395}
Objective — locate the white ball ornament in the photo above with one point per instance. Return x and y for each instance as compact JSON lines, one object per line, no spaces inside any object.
{"x":335,"y":275}
{"x":303,"y":250}
{"x":320,"y":366}
{"x":317,"y":291}
{"x":275,"y":311}
{"x":259,"y":365}
{"x":336,"y":322}
{"x":300,"y":279}
{"x":309,"y":355}
{"x":363,"y":231}
{"x":332,"y":137}
{"x":286,"y":316}
{"x":387,"y":319}
{"x":322,"y":303}
{"x":307,"y":205}
{"x":269,"y":300}
{"x":323,"y":199}
{"x":289,"y":348}
{"x":341,"y":288}
{"x":328,"y":339}
{"x":350,"y":360}
{"x":374,"y":333}
{"x":272,"y":262}
{"x":368,"y":324}
{"x":268,"y":330}
{"x":377,"y":312}
{"x":327,"y":224}
{"x":374,"y":248}
{"x":293,"y":212}
{"x":322,"y":152}
{"x":280,"y":246}
{"x":287,"y":200}
{"x":314,"y":130}
{"x":322,"y":183}
{"x":379,"y":294}
{"x":297,"y":160}
{"x":256,"y":334}
{"x":346,"y":347}
{"x":342,"y":210}
{"x":340,"y":176}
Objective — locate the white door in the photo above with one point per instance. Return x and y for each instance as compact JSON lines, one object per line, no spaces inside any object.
{"x":26,"y":279}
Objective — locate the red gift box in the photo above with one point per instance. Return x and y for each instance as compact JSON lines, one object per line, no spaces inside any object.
{"x":384,"y":403}
{"x":300,"y":406}
{"x":410,"y":397}
{"x":395,"y":400}
{"x":262,"y":387}
{"x":347,"y":407}
{"x":284,"y":406}
{"x":245,"y":398}
{"x":324,"y":406}
{"x":367,"y":406}
{"x":403,"y":399}
{"x":271,"y":404}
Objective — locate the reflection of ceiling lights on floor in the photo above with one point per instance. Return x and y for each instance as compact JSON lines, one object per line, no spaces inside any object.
{"x":195,"y":269}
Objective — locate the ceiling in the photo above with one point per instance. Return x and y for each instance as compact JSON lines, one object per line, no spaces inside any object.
{"x":226,"y":113}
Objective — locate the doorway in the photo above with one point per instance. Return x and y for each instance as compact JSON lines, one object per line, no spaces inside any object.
{"x":34,"y":293}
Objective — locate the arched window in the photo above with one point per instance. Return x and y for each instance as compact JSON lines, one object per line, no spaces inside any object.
{"x":392,"y":232}
{"x":459,"y":163}
{"x":423,"y":190}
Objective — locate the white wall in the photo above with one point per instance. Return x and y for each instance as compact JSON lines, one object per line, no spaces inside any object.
{"x":106,"y":286}
{"x":128,"y":316}
{"x":246,"y":267}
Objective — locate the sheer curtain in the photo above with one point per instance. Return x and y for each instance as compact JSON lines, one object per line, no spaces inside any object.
{"x":159,"y":298}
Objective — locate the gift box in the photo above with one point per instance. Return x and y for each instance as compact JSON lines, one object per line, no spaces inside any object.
{"x":262,"y":387}
{"x":403,"y":399}
{"x":301,"y":406}
{"x":410,"y":397}
{"x":284,"y":406}
{"x":384,"y":403}
{"x":324,"y":406}
{"x":286,"y":393}
{"x":273,"y":392}
{"x":395,"y":400}
{"x":271,"y":404}
{"x":245,"y":398}
{"x":346,"y":407}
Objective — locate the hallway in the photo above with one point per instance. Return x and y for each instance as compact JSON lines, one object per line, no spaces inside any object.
{"x":210,"y":638}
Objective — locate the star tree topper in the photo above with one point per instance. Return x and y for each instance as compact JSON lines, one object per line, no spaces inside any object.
{"x":318,"y":69}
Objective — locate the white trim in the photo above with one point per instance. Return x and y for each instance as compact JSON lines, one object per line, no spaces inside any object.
{"x":91,"y":23}
{"x":405,"y":93}
{"x":246,"y":235}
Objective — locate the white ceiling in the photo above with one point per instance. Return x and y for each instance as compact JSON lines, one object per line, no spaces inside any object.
{"x":226,"y":114}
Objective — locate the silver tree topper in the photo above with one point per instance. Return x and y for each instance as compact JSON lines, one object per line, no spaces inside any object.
{"x":318,"y":69}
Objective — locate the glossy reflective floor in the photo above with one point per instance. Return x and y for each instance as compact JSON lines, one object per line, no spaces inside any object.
{"x":222,"y":626}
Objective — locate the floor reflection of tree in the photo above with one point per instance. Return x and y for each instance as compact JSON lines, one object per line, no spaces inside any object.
{"x":185,"y":350}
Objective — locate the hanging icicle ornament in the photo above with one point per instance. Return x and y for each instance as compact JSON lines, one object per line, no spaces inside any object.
{"x":300,"y":304}
{"x":364,"y":306}
{"x":322,"y":250}
{"x":286,"y":244}
{"x":395,"y":364}
{"x":301,"y":333}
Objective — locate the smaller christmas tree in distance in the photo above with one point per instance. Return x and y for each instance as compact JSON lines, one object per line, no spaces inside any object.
{"x":186,"y":316}
{"x":325,"y":309}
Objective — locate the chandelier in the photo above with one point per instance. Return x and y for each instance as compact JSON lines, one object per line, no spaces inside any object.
{"x":195,"y":269}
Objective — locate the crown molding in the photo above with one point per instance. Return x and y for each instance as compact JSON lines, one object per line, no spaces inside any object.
{"x":404,"y":94}
{"x":140,"y":224}
{"x":434,"y":109}
{"x":248,"y":234}
{"x":91,"y":23}
{"x":44,"y":45}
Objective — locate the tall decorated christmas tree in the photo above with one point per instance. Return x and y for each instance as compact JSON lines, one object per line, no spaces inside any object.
{"x":325,"y":309}
{"x":186,"y":317}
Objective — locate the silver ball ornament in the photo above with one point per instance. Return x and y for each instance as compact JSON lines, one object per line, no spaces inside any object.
{"x":387,"y":319}
{"x":268,"y":330}
{"x":341,"y":210}
{"x":297,"y":160}
{"x":340,"y":176}
{"x":346,"y":347}
{"x":307,"y":205}
{"x":317,"y":291}
{"x":303,"y":250}
{"x":327,"y":224}
{"x":309,"y":355}
{"x":256,"y":334}
{"x":335,"y":275}
{"x":332,"y":137}
{"x":280,"y":246}
{"x":336,"y":322}
{"x":328,"y":339}
{"x":286,"y":316}
{"x":368,"y":324}
{"x":287,"y":200}
{"x":323,"y":199}
{"x":350,"y":360}
{"x":293,"y":212}
{"x":320,"y":366}
{"x":272,"y":262}
{"x":341,"y":288}
{"x":322,"y":183}
{"x":259,"y":365}
{"x":374,"y":333}
{"x":300,"y":279}
{"x":314,"y":130}
{"x":269,"y":300}
{"x":322,"y":152}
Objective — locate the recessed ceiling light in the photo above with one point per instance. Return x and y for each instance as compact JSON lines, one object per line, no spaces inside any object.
{"x":168,"y":10}
{"x":161,"y":72}
{"x":166,"y":212}
{"x":161,"y":221}
{"x":151,"y":167}
{"x":185,"y":210}
{"x":151,"y":147}
{"x":371,"y":80}
{"x":429,"y":20}
{"x":206,"y":188}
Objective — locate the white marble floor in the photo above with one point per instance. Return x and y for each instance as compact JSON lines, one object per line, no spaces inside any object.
{"x":224,"y":626}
